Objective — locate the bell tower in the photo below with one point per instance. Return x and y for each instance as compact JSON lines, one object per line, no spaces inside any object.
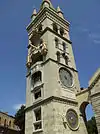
{"x":52,"y":78}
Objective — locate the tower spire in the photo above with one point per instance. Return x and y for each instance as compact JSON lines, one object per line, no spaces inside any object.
{"x":60,"y":13}
{"x":34,"y":14}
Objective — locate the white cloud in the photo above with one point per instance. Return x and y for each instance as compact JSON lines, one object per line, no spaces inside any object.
{"x":84,"y":30}
{"x":17,"y":106}
{"x":97,"y":41}
{"x":94,"y":35}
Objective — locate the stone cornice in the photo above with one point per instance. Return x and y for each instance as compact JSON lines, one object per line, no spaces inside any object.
{"x":50,"y":59}
{"x":52,"y":99}
{"x":59,"y":64}
{"x":49,"y":13}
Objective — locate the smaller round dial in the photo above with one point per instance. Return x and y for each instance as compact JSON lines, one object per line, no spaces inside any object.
{"x":72,"y":119}
{"x":66,"y":77}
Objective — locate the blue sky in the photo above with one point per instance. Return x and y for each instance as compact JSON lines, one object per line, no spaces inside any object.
{"x":15,"y":16}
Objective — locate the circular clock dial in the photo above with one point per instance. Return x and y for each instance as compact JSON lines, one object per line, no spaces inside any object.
{"x":72,"y":119}
{"x":66,"y":77}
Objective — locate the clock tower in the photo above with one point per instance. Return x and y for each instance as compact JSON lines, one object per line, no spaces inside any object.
{"x":52,"y":78}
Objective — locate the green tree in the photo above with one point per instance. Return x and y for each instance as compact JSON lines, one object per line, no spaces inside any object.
{"x":91,"y":126}
{"x":20,"y":119}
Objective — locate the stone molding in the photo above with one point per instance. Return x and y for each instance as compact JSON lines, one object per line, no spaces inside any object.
{"x":53,"y":99}
{"x":48,"y":13}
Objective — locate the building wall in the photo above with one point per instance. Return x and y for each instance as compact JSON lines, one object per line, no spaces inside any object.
{"x":7,"y":121}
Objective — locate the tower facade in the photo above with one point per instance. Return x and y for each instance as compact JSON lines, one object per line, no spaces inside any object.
{"x":52,"y":78}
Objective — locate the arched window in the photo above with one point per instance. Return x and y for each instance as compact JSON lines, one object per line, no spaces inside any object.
{"x":0,"y":120}
{"x":5,"y":122}
{"x":64,"y":47}
{"x":9,"y":123}
{"x":66,"y":60}
{"x":55,"y":28}
{"x":58,"y":56}
{"x":56,"y":42}
{"x":61,"y":31}
{"x":40,"y":28}
{"x":36,"y":77}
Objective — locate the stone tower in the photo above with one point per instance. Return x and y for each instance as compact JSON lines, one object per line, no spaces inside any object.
{"x":52,"y":78}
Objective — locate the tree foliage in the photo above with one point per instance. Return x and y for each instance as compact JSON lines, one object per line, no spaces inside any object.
{"x":20,"y":119}
{"x":91,"y":126}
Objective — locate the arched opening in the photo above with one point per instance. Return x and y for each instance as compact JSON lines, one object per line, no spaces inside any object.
{"x":88,"y":117}
{"x":5,"y":122}
{"x":40,"y":28}
{"x":56,"y":42}
{"x":9,"y":123}
{"x":55,"y":28}
{"x":61,"y":31}
{"x":0,"y":120}
{"x":58,"y":56}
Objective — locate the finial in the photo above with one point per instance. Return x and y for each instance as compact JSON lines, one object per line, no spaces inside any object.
{"x":34,"y":14}
{"x":46,"y":0}
{"x":46,"y":3}
{"x":60,"y":13}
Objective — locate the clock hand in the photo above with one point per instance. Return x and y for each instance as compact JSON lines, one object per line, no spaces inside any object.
{"x":65,"y":77}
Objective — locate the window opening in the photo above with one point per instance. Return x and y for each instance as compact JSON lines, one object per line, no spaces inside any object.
{"x":9,"y":123}
{"x":64,"y":47}
{"x":38,"y":114}
{"x":61,"y":31}
{"x":58,"y":56}
{"x":66,"y":60}
{"x":5,"y":122}
{"x":37,"y":59}
{"x":56,"y":42}
{"x":0,"y":120}
{"x":40,"y":28}
{"x":38,"y":123}
{"x":55,"y":28}
{"x":37,"y":94}
{"x":36,"y":77}
{"x":38,"y":126}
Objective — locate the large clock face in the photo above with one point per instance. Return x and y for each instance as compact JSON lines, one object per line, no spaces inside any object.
{"x":66,"y":77}
{"x":72,"y":119}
